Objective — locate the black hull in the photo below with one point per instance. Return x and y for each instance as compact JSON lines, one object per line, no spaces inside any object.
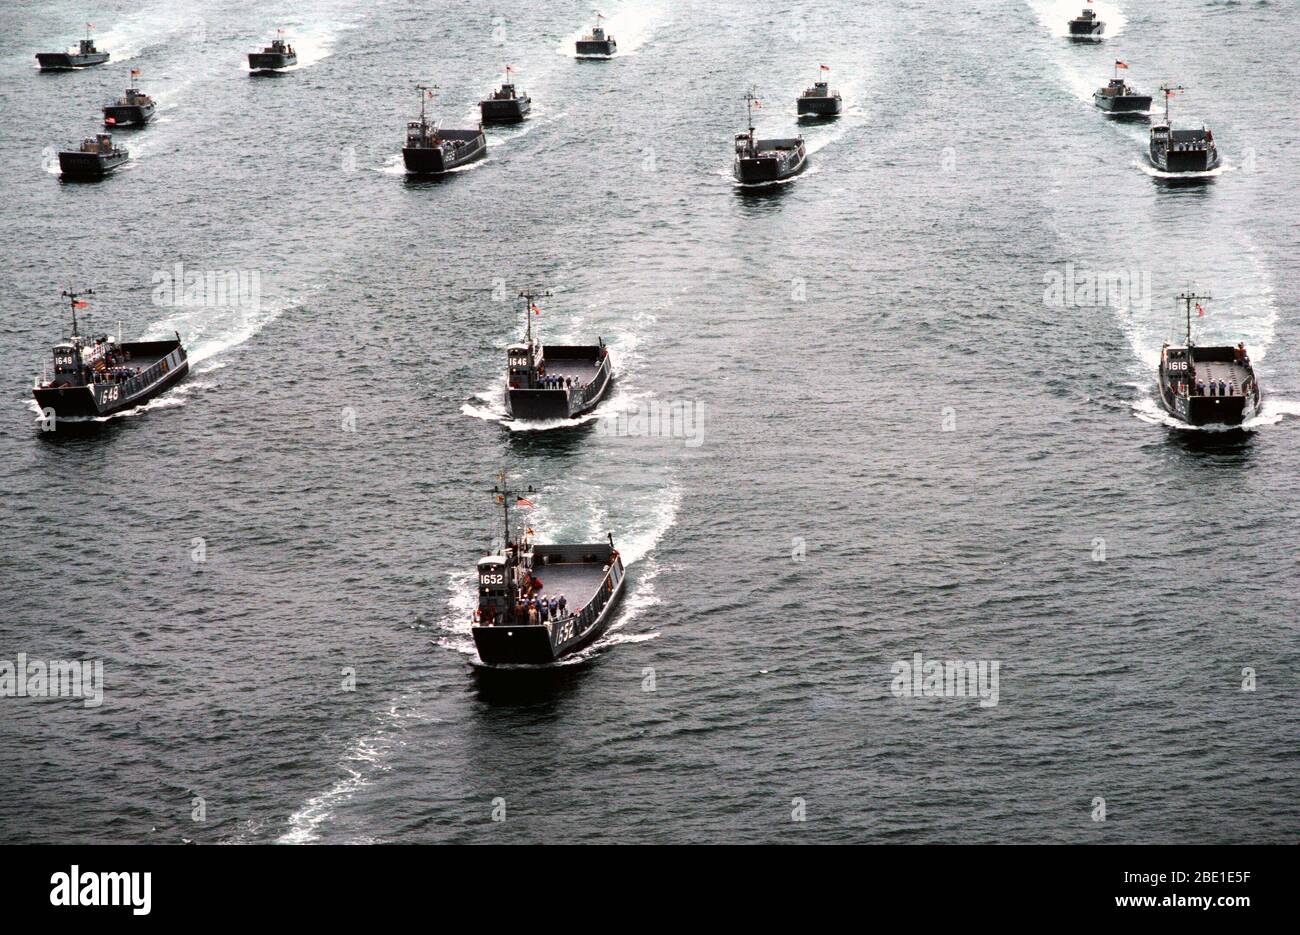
{"x":1178,"y":162}
{"x":432,"y":160}
{"x":1087,"y":31}
{"x":603,"y":49}
{"x":820,"y":107}
{"x":81,"y":402}
{"x":134,"y":115}
{"x":531,"y":645}
{"x":504,"y":111}
{"x":769,"y":169}
{"x":63,"y":61}
{"x":77,"y":165}
{"x":1128,"y":104}
{"x":270,"y":61}
{"x":1210,"y":410}
{"x":558,"y":404}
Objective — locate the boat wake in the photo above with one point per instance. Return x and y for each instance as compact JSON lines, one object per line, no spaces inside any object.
{"x":159,"y":25}
{"x":1271,"y":411}
{"x":1055,"y":15}
{"x":630,"y":26}
{"x":365,"y":759}
{"x":1223,"y":167}
{"x":175,"y":396}
{"x":209,"y":332}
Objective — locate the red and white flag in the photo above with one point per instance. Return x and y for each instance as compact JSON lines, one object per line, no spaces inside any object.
{"x":1119,"y":64}
{"x":536,"y":310}
{"x":523,"y":501}
{"x":1200,"y":310}
{"x":825,"y":67}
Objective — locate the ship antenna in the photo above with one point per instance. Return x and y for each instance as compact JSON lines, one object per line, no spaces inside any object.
{"x":1187,"y":298}
{"x":528,"y":294}
{"x":749,"y":113}
{"x":1169,"y":92}
{"x":72,"y":298}
{"x":424,"y":90}
{"x":503,"y":497}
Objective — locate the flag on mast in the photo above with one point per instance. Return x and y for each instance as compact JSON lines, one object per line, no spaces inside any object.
{"x":1119,"y":64}
{"x":1200,"y":310}
{"x":523,"y":501}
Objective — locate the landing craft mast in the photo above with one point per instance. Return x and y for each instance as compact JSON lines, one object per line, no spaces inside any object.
{"x":503,"y":497}
{"x":1169,"y":92}
{"x":528,"y":294}
{"x":750,"y":101}
{"x":1187,"y":298}
{"x":72,"y":298}
{"x":426,"y":91}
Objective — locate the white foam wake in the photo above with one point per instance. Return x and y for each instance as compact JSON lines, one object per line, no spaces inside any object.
{"x":631,"y":26}
{"x":1055,"y":15}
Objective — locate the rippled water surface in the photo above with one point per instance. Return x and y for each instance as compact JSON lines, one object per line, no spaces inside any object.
{"x":903,"y":444}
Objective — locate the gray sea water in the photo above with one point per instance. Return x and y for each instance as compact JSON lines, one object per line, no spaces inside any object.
{"x":899,"y":441}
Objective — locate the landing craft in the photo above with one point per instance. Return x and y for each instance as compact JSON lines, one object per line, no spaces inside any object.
{"x":83,"y":56}
{"x":1181,"y":150}
{"x":820,"y":100}
{"x":1119,"y":97}
{"x":519,"y":620}
{"x":597,"y":44}
{"x":133,"y":109}
{"x":1207,"y":385}
{"x":276,"y":56}
{"x":431,"y":150}
{"x":762,"y":161}
{"x":1086,"y":26}
{"x":554,"y":381}
{"x":506,"y":105}
{"x":97,"y":157}
{"x":100,"y":376}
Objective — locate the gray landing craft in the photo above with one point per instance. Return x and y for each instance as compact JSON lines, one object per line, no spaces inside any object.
{"x":276,"y":56}
{"x":1086,"y":26}
{"x":1119,"y":97}
{"x":1176,"y":151}
{"x":83,"y":56}
{"x":100,"y":376}
{"x":97,"y":157}
{"x":820,"y":100}
{"x":597,"y":44}
{"x":133,"y":109}
{"x":431,"y":150}
{"x":554,"y":381}
{"x":510,"y":627}
{"x":1207,"y":385}
{"x":761,"y":162}
{"x":506,"y":105}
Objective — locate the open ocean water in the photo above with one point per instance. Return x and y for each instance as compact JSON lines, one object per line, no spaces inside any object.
{"x":898,"y":442}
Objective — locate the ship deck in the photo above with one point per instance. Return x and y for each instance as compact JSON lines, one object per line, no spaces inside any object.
{"x":1224,"y":370}
{"x":582,"y":371}
{"x":577,"y":581}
